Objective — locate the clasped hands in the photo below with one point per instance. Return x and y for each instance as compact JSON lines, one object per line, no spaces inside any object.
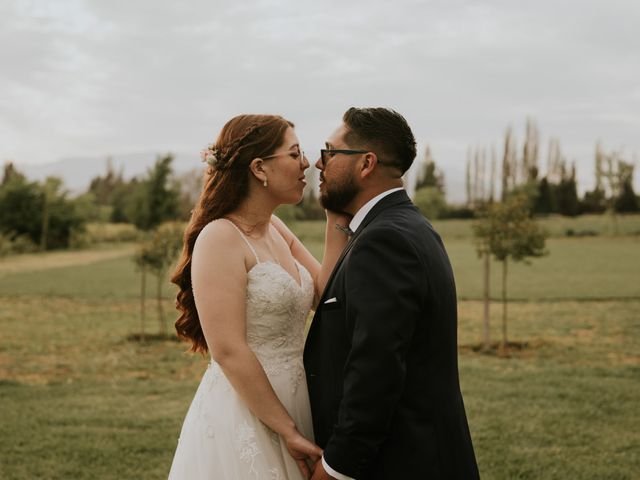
{"x":308,"y":457}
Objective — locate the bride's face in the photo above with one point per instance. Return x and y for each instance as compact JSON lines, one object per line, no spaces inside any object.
{"x":285,"y":170}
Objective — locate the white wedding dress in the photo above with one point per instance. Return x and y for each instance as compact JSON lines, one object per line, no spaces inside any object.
{"x":221,"y":439}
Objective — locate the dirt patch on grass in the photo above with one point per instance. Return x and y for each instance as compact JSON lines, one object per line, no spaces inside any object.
{"x":513,"y":349}
{"x":153,"y":338}
{"x":626,"y":360}
{"x":43,"y":261}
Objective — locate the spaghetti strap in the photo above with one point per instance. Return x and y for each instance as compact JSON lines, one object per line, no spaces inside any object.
{"x":244,"y":237}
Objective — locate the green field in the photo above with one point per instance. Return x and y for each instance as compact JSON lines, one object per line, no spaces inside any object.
{"x":78,"y":399}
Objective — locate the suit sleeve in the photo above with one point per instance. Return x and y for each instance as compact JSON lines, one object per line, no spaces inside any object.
{"x":383,"y":290}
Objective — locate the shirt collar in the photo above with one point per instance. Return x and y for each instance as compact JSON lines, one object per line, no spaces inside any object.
{"x":366,"y":208}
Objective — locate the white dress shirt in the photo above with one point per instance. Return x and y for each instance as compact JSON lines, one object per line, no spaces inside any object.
{"x":353,"y":225}
{"x":366,"y":208}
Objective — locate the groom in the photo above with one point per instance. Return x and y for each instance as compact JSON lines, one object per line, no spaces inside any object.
{"x":381,"y":354}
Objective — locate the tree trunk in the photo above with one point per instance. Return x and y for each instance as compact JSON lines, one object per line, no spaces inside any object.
{"x":143,"y":289}
{"x":504,"y":306}
{"x":163,"y":327}
{"x":45,"y":224}
{"x":486,"y":342}
{"x":614,"y":221}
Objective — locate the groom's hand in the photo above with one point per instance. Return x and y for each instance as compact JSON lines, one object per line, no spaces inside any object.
{"x":319,"y":473}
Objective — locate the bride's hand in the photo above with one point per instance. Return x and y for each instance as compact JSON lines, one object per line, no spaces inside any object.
{"x":302,"y":450}
{"x":339,"y":218}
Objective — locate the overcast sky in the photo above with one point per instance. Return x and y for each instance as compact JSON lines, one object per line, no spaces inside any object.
{"x":93,"y":77}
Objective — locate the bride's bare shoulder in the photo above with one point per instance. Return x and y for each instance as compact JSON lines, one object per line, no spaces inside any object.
{"x":217,"y":235}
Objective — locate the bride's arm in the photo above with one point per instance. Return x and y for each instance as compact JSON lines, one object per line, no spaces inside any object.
{"x":334,"y":242}
{"x":219,"y":277}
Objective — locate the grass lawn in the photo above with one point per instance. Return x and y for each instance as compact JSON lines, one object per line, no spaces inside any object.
{"x":80,"y":400}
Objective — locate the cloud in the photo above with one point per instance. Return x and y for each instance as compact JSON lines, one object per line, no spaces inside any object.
{"x":92,"y":77}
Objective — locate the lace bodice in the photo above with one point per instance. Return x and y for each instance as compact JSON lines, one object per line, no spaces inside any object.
{"x":277,"y":307}
{"x":276,"y":310}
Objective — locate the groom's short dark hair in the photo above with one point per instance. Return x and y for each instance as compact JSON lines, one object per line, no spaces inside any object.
{"x":382,"y":130}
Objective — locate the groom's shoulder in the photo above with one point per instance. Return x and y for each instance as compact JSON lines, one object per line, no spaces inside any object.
{"x":403,"y":215}
{"x":409,"y":223}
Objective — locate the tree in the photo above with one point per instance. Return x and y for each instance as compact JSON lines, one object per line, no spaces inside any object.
{"x":20,"y":208}
{"x":40,"y":212}
{"x":431,"y":202}
{"x":11,"y":173}
{"x":545,"y":202}
{"x":49,"y":189}
{"x":509,"y":163}
{"x":155,"y":255}
{"x":165,"y":245}
{"x":479,"y":195}
{"x":626,"y":201}
{"x":567,"y":193}
{"x":113,"y":194}
{"x":484,"y":252}
{"x":190,"y":185}
{"x":103,"y":186}
{"x":142,"y":259}
{"x":157,"y":199}
{"x":594,"y":201}
{"x":468,"y":186}
{"x":530,"y":152}
{"x":617,"y":176}
{"x":429,"y":175}
{"x":429,"y":195}
{"x":507,"y":231}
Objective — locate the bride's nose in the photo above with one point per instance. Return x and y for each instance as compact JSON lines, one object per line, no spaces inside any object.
{"x":305,"y":162}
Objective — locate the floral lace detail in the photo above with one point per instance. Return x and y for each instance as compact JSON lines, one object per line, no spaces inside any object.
{"x":247,"y":446}
{"x":294,"y":367}
{"x":272,"y":289}
{"x":277,"y":307}
{"x":216,"y":377}
{"x":275,"y":474}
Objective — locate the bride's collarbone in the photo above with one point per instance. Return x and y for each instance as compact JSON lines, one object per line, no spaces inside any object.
{"x":286,"y":264}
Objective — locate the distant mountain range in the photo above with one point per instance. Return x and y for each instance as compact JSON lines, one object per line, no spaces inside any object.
{"x":77,"y":172}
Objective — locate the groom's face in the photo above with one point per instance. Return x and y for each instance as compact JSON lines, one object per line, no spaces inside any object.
{"x":338,"y":181}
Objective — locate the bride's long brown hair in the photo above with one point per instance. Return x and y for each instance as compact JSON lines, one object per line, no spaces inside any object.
{"x":242,"y":139}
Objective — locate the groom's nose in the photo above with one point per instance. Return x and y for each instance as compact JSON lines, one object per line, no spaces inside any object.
{"x":318,"y":164}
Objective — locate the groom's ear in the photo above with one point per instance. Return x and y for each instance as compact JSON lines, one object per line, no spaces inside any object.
{"x":368,"y":164}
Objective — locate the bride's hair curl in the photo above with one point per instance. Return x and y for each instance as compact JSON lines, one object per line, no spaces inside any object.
{"x":242,"y":139}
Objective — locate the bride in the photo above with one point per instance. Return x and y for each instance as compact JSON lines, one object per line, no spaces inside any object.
{"x":246,"y":286}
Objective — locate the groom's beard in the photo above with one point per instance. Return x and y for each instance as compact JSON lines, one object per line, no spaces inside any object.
{"x":337,"y":196}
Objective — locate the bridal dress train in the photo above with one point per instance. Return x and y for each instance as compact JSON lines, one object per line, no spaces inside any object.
{"x":221,"y":439}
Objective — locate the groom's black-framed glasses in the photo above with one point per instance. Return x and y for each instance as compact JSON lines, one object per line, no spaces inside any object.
{"x":327,"y":153}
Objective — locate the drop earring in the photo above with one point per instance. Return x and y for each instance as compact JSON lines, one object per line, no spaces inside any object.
{"x":265,"y":183}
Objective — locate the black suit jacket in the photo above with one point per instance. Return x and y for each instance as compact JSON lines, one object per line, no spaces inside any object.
{"x":381,"y":360}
